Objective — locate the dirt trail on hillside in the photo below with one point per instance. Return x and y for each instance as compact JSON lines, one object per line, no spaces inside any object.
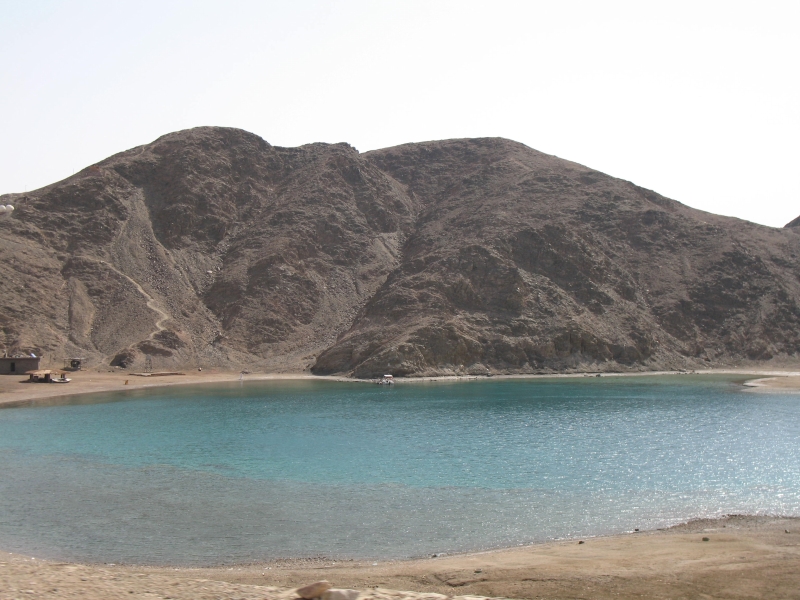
{"x":152,"y":303}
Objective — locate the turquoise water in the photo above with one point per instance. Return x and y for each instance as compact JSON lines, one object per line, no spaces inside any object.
{"x":261,"y":470}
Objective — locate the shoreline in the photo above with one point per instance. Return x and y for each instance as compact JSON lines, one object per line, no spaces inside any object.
{"x":744,"y":556}
{"x":750,"y":555}
{"x":324,"y":561}
{"x":15,"y":392}
{"x":789,"y":382}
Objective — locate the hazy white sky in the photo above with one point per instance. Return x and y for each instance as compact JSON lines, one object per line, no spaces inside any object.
{"x":699,"y":101}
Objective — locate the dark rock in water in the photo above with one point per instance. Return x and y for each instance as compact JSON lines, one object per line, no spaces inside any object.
{"x":210,"y":247}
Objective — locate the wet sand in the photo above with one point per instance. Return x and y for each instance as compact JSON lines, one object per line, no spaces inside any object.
{"x":743,"y":557}
{"x":782,"y":383}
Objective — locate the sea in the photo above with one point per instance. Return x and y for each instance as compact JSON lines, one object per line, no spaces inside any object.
{"x":254,"y":471}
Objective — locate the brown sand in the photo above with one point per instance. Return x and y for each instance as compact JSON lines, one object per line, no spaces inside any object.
{"x":782,"y":383}
{"x":16,"y":391}
{"x":744,"y":557}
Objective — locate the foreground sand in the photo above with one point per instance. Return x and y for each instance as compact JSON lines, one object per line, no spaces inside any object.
{"x":744,"y":557}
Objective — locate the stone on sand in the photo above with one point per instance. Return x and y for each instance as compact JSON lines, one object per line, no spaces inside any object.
{"x":314,"y":590}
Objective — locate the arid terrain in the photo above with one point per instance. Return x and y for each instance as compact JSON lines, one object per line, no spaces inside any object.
{"x":211,"y":248}
{"x":735,"y":557}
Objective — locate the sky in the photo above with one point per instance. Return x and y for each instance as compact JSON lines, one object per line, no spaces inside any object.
{"x":699,"y":101}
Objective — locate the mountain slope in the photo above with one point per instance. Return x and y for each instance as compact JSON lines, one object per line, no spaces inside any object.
{"x":211,"y":247}
{"x":522,"y":261}
{"x":258,"y":255}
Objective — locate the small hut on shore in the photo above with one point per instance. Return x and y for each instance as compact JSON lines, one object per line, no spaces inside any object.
{"x":74,"y":364}
{"x":17,"y":365}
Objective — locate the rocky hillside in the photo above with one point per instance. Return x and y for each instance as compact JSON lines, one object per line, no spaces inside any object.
{"x":209,"y":247}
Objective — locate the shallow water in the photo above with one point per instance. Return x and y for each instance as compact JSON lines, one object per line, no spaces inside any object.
{"x":243,"y":472}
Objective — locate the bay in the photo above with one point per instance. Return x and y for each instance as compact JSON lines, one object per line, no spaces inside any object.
{"x":233,"y":473}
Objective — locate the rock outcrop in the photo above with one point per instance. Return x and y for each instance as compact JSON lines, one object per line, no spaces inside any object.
{"x":209,"y":247}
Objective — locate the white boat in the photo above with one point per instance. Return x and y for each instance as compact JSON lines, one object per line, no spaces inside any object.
{"x":60,"y":380}
{"x":387,"y":380}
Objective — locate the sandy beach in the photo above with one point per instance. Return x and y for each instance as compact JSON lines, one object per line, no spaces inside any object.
{"x":731,"y":557}
{"x":16,"y":391}
{"x":783,"y":383}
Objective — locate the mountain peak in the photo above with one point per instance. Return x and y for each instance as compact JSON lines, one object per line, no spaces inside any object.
{"x":211,"y":247}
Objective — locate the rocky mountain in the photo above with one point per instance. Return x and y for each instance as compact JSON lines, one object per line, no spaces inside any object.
{"x":793,"y":223}
{"x":210,"y":247}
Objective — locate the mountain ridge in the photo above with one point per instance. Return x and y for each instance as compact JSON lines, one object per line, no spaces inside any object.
{"x":211,"y":247}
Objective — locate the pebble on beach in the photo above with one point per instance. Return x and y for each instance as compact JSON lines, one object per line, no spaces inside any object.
{"x":314,"y":590}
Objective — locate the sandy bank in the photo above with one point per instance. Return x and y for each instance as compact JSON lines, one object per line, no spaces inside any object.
{"x":744,"y":557}
{"x":16,"y":391}
{"x":789,"y":382}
